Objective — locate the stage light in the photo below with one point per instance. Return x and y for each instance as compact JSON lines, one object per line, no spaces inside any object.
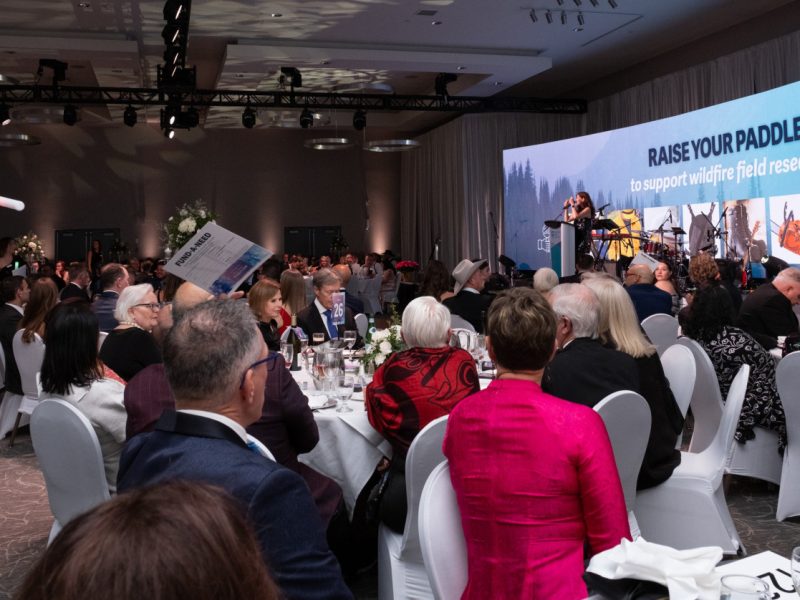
{"x":359,"y":120}
{"x":549,"y":17}
{"x":249,"y":118}
{"x":581,"y":20}
{"x":563,"y":17}
{"x":169,"y":133}
{"x":612,"y":3}
{"x":532,"y":15}
{"x":773,"y":265}
{"x":294,"y":76}
{"x":172,"y":56}
{"x":5,"y":114}
{"x":173,"y":9}
{"x":129,"y":117}
{"x":170,"y":33}
{"x":441,"y":82}
{"x":306,"y":119}
{"x":70,"y":115}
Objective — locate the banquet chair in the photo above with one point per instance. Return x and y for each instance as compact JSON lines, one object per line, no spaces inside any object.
{"x":681,"y":372}
{"x":29,"y":357}
{"x":457,"y":322}
{"x":441,"y":537}
{"x":689,"y":509}
{"x":68,"y":452}
{"x":627,"y":418}
{"x":2,"y":369}
{"x":662,"y":330}
{"x":788,"y":377}
{"x":371,"y":295}
{"x":757,"y":458}
{"x":401,"y":572}
{"x":101,"y":338}
{"x":361,"y":324}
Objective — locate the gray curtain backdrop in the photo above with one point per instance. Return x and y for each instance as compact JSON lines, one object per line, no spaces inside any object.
{"x":453,"y":185}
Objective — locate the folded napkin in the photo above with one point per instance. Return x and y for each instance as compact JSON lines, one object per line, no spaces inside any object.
{"x":686,"y":573}
{"x":317,"y":401}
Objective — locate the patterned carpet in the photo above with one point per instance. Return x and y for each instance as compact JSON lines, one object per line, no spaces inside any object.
{"x":25,"y":518}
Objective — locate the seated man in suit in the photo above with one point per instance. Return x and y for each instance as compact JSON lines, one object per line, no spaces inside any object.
{"x":318,"y":316}
{"x":113,"y":279}
{"x":78,"y":285}
{"x":647,"y":298}
{"x":469,"y":303}
{"x":767,"y":312}
{"x":351,"y":301}
{"x":215,"y":359}
{"x":583,"y":370}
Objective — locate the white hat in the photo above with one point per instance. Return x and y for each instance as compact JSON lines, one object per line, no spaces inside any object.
{"x":464,"y":270}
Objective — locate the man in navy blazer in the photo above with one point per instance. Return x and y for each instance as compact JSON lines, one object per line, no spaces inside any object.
{"x":647,"y":298}
{"x":317,"y":317}
{"x":215,"y":359}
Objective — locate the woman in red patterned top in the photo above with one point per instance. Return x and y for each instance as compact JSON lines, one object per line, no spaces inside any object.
{"x":414,"y":387}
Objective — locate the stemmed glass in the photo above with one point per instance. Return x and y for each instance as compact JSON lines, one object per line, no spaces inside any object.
{"x":350,"y":339}
{"x":287,"y":351}
{"x":796,"y":569}
{"x":318,"y":338}
{"x":345,"y":392}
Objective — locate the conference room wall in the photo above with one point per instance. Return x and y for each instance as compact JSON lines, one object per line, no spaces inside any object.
{"x":257,"y":181}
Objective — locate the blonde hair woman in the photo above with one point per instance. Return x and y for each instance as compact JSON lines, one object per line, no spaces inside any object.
{"x":266,"y":303}
{"x":619,"y":327}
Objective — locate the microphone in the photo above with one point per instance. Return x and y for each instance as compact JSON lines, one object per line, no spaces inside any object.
{"x":670,"y":215}
{"x":602,"y":208}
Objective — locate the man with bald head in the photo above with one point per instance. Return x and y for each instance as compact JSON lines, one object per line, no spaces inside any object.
{"x":647,"y":298}
{"x":351,"y":301}
{"x":767,"y":312}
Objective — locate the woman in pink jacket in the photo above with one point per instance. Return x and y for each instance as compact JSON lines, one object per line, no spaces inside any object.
{"x":534,"y":475}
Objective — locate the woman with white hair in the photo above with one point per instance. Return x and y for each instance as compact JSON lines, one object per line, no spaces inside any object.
{"x":131,"y":346}
{"x":619,"y":328}
{"x":414,"y":387}
{"x":544,"y":280}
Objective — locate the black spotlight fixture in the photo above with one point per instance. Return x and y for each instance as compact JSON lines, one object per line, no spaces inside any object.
{"x":306,"y":119}
{"x":129,"y":117}
{"x":441,"y":81}
{"x":5,"y":114}
{"x":293,"y":76}
{"x":359,"y":120}
{"x":173,"y":9}
{"x":532,"y":15}
{"x":249,"y":118}
{"x":70,"y":115}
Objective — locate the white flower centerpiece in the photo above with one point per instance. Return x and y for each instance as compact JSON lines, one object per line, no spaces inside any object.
{"x":29,"y":247}
{"x":381,"y":343}
{"x":180,"y":228}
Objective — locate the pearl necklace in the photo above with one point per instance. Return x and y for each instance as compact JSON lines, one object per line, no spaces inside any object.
{"x":131,"y":324}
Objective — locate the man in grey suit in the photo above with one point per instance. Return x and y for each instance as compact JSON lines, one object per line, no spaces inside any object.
{"x":113,"y":279}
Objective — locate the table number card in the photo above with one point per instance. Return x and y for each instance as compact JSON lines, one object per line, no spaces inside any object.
{"x":338,"y":308}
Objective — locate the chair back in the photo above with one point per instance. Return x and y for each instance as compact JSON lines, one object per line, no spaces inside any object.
{"x":424,"y":454}
{"x":361,"y":324}
{"x":721,"y":446}
{"x":681,"y":372}
{"x":787,"y":376}
{"x":662,"y":329}
{"x":2,"y":368}
{"x":627,"y":419}
{"x":69,"y":455}
{"x":441,"y":536}
{"x":706,"y":400}
{"x":457,"y":322}
{"x":371,"y":295}
{"x":29,"y":357}
{"x":101,"y":338}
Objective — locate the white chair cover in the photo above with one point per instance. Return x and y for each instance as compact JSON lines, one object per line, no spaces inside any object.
{"x":29,"y":357}
{"x":788,"y":376}
{"x":441,"y":537}
{"x":662,"y":330}
{"x":401,"y":572}
{"x":361,"y":324}
{"x":101,"y":338}
{"x":370,"y":294}
{"x":457,"y":322}
{"x":2,"y":368}
{"x":69,"y":455}
{"x":627,"y":419}
{"x":680,"y":370}
{"x":689,"y":509}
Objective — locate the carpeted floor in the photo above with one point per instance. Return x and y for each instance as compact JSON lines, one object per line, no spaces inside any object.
{"x":25,"y":518}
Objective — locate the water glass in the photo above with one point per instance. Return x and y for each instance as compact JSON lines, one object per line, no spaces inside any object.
{"x":287,"y":351}
{"x":350,"y":338}
{"x":345,"y":392}
{"x":796,"y":569}
{"x":743,"y":587}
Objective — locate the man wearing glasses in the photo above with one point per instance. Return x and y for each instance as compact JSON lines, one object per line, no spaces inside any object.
{"x":215,"y":360}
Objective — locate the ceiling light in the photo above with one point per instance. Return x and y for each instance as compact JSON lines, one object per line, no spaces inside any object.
{"x":532,"y":15}
{"x":563,"y":17}
{"x":169,"y":133}
{"x":612,"y":3}
{"x":276,"y":15}
{"x":461,"y":68}
{"x":306,"y":119}
{"x":328,"y":143}
{"x":249,"y":118}
{"x":397,"y":145}
{"x":294,"y":76}
{"x":11,"y":140}
{"x":5,"y":114}
{"x":170,"y":33}
{"x":436,"y":23}
{"x":173,"y":9}
{"x":548,"y":16}
{"x":70,"y":115}
{"x":129,"y":117}
{"x":359,"y":120}
{"x":581,"y":20}
{"x":441,"y":82}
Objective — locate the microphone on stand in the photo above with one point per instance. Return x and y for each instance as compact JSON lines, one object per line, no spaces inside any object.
{"x":670,"y":215}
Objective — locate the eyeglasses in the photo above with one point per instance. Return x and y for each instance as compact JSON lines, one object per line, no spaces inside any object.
{"x":272,"y":356}
{"x":151,"y":305}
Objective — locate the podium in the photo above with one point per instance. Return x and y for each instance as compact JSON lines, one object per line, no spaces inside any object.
{"x":562,"y":255}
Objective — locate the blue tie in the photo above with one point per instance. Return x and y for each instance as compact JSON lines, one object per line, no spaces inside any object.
{"x":332,"y":331}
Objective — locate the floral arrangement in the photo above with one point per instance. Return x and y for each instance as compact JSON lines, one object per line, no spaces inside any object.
{"x":407,"y":266}
{"x":29,"y":246}
{"x":180,"y":228}
{"x":381,"y":343}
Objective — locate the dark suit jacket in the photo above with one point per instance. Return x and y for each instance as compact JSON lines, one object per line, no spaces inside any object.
{"x":585,"y":372}
{"x":353,"y":302}
{"x":276,"y":499}
{"x":73,"y":291}
{"x":9,"y":321}
{"x":103,"y":307}
{"x":147,"y":396}
{"x":649,"y":300}
{"x":310,"y":321}
{"x":766,"y":314}
{"x":287,"y":427}
{"x":469,"y":306}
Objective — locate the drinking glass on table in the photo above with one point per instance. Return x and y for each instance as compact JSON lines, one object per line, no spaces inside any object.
{"x":796,"y":569}
{"x":287,"y":351}
{"x":350,"y":338}
{"x":743,"y":587}
{"x":344,"y":393}
{"x":318,"y":338}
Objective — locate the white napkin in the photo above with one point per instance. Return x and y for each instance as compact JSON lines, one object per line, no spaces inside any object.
{"x":317,"y":401}
{"x":686,"y":573}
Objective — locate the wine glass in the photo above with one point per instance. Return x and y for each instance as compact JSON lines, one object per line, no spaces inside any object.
{"x":350,"y":338}
{"x":318,"y":338}
{"x":345,"y":392}
{"x":287,"y":351}
{"x":796,"y":569}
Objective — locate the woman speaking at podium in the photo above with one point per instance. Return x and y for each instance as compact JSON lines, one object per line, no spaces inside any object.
{"x":580,"y":211}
